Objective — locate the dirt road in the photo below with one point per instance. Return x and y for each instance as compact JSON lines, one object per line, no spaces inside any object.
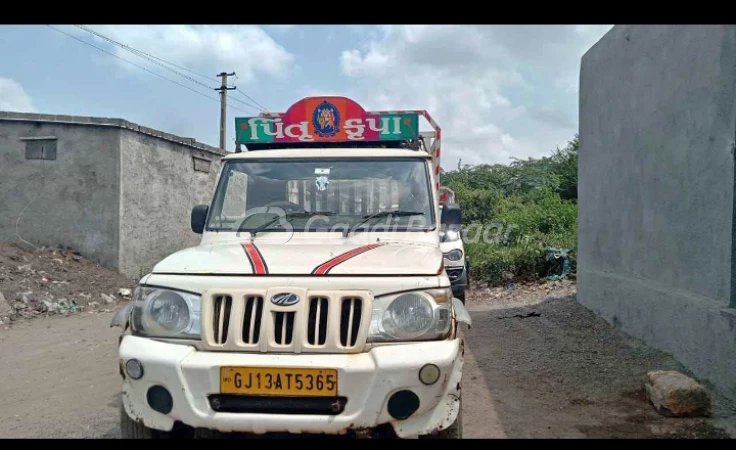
{"x":59,"y":378}
{"x":558,"y":372}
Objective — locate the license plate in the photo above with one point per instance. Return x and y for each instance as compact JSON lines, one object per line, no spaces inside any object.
{"x":279,"y":381}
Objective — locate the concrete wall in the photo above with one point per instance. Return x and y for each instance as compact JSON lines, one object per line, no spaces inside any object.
{"x":71,"y":201}
{"x":159,"y":189}
{"x":656,"y":190}
{"x":119,"y":193}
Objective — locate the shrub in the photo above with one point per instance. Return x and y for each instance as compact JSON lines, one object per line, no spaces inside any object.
{"x":532,"y":204}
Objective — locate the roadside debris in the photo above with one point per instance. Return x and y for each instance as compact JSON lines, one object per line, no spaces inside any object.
{"x":675,"y":394}
{"x":522,"y":316}
{"x":5,"y":309}
{"x":55,"y":282}
{"x":484,"y":297}
{"x":24,"y":297}
{"x":559,"y":261}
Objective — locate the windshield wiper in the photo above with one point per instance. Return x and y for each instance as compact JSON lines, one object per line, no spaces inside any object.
{"x":368,"y":217}
{"x":288,"y":216}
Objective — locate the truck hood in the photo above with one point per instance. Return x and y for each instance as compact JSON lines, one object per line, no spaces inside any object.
{"x":318,"y":259}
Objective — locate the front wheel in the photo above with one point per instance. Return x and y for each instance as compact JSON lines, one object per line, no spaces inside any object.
{"x":130,"y":429}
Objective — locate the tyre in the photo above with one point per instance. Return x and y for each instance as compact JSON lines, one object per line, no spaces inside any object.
{"x":130,"y":429}
{"x":454,"y":431}
{"x":461,"y":296}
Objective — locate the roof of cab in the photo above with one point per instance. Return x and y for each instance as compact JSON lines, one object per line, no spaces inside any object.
{"x":331,"y":153}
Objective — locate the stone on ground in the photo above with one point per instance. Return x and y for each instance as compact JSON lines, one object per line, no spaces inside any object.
{"x":676,"y":395}
{"x":5,"y":309}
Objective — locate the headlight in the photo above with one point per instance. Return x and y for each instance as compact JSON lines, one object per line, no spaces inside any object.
{"x":161,"y":312}
{"x":411,"y":316}
{"x":454,"y":254}
{"x":450,"y":236}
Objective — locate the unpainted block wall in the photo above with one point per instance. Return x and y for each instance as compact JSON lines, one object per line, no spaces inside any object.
{"x":159,"y":189}
{"x":71,"y":201}
{"x":119,"y":193}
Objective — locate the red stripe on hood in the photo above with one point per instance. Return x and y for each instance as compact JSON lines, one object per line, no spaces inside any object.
{"x":255,"y":258}
{"x":325,"y":268}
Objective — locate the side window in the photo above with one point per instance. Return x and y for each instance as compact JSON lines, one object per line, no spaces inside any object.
{"x":201,"y":164}
{"x":41,"y":148}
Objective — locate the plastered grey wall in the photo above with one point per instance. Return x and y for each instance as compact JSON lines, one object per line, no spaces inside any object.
{"x":119,"y":193}
{"x":656,"y":190}
{"x":158,"y":190}
{"x":71,"y":201}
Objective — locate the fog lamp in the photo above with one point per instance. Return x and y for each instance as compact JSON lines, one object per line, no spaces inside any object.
{"x":134,"y":369}
{"x":429,"y":374}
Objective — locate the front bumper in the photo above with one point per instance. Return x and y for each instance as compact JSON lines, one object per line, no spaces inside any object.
{"x":367,"y":380}
{"x":458,"y":278}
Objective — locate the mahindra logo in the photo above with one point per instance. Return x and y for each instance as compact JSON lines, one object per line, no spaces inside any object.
{"x":285,"y":299}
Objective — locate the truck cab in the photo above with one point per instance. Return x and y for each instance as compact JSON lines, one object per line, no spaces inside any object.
{"x":318,"y":299}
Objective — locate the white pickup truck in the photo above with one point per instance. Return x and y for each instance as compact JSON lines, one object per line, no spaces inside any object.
{"x":457,"y":263}
{"x":317,"y":300}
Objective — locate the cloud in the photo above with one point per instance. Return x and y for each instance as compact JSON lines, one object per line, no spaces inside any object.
{"x":13,"y":97}
{"x":282,"y":27}
{"x":245,"y":49}
{"x":496,"y":91}
{"x":312,"y":91}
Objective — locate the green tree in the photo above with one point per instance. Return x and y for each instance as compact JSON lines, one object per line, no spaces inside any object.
{"x":565,"y":165}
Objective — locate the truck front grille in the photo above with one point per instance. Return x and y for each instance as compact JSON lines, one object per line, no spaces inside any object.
{"x":223,"y":304}
{"x":351,"y":312}
{"x":252,"y":319}
{"x":454,"y":274}
{"x":283,"y":327}
{"x":321,"y":322}
{"x":317,"y":327}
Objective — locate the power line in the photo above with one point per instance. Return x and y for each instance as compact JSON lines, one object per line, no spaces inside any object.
{"x":158,"y":61}
{"x":263,"y":108}
{"x":143,"y":68}
{"x":245,"y":103}
{"x":144,"y":53}
{"x":155,"y":60}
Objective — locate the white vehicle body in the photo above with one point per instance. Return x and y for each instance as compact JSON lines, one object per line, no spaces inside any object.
{"x":456,"y":259}
{"x":237,"y":285}
{"x":453,"y":249}
{"x":452,"y":260}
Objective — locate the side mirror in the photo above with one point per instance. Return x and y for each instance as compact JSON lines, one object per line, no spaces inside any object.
{"x":464,"y":235}
{"x":199,"y":216}
{"x":451,"y":215}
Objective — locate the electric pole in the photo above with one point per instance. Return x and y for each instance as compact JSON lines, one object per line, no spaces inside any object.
{"x":223,"y":106}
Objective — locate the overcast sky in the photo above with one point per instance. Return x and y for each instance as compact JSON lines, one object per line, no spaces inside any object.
{"x":497,"y":91}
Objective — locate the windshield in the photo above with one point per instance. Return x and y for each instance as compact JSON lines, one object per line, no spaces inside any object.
{"x":324,"y":195}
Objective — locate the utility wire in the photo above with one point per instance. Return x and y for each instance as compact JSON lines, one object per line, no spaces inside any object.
{"x":155,"y":60}
{"x":162,"y":63}
{"x":263,"y":108}
{"x":245,"y":103}
{"x":141,"y":52}
{"x":143,"y":68}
